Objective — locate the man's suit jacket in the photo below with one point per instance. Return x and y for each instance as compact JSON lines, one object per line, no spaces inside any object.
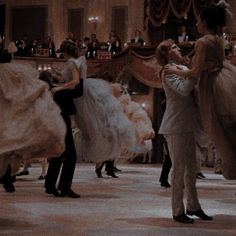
{"x":181,"y":113}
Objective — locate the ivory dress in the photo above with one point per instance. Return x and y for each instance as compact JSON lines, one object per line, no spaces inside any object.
{"x":105,"y":128}
{"x":217,"y":96}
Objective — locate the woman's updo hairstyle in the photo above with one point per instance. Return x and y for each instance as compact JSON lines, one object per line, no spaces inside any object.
{"x":162,"y":51}
{"x":69,"y":47}
{"x":46,"y":76}
{"x":215,"y":16}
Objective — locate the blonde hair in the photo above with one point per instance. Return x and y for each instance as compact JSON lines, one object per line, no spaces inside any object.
{"x":162,"y":51}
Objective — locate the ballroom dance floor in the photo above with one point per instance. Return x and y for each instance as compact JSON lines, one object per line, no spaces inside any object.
{"x":132,"y":205}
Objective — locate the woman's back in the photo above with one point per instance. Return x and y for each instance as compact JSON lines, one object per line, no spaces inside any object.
{"x":211,"y":50}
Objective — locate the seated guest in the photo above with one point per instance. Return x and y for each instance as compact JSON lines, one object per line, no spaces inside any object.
{"x":84,"y":47}
{"x":93,"y":46}
{"x":184,"y":34}
{"x":23,"y":46}
{"x":114,"y":44}
{"x":71,"y":37}
{"x":137,"y":39}
{"x":49,"y":44}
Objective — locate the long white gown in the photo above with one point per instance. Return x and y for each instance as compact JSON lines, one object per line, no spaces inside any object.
{"x":30,"y":122}
{"x":106,"y":130}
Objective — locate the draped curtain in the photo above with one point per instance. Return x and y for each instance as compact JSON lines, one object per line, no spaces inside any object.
{"x":180,"y":7}
{"x":157,"y":11}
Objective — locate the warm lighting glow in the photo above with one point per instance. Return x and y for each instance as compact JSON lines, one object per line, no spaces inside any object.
{"x":164,"y":21}
{"x":143,"y":105}
{"x":93,"y":20}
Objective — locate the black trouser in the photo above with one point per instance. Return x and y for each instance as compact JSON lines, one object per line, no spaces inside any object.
{"x":109,"y":166}
{"x":68,"y":158}
{"x":7,"y":178}
{"x":166,"y":166}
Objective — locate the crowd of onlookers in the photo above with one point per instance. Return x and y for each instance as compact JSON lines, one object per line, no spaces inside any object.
{"x":89,"y":45}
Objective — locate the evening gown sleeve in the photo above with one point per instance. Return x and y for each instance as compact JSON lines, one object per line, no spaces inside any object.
{"x":31,"y":124}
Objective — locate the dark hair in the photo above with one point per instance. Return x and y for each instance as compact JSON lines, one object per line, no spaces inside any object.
{"x":69,"y":47}
{"x":46,"y":76}
{"x":162,"y":51}
{"x":5,"y":57}
{"x":214,"y":16}
{"x":86,"y":38}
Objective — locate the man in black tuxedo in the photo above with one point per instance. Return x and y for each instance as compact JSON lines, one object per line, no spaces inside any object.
{"x":64,"y":99}
{"x":137,"y":39}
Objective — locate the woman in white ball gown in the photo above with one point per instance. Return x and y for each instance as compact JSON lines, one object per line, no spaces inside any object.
{"x":105,"y":128}
{"x":31,"y":124}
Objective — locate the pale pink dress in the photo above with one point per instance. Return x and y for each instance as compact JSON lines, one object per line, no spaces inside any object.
{"x":217,"y":98}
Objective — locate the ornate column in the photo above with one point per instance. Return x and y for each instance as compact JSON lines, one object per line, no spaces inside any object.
{"x":56,"y":26}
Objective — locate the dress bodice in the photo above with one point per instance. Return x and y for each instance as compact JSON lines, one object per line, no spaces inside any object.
{"x":209,"y":52}
{"x":81,"y":65}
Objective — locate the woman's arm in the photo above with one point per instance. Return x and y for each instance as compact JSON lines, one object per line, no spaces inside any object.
{"x":71,"y":84}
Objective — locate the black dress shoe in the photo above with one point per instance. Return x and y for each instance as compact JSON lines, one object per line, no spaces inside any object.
{"x":98,"y":172}
{"x":112,"y":174}
{"x":115,"y":169}
{"x":9,"y":187}
{"x":200,"y":213}
{"x":25,"y":172}
{"x":200,"y":175}
{"x":53,"y":191}
{"x":165,"y":184}
{"x":41,"y":177}
{"x":70,"y":194}
{"x":183,"y":219}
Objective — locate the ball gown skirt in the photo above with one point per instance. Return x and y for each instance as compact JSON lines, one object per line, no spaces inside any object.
{"x":30,"y":122}
{"x":106,"y":130}
{"x":218,"y":112}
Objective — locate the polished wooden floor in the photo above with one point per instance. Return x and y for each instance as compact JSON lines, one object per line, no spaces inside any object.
{"x":133,"y":204}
